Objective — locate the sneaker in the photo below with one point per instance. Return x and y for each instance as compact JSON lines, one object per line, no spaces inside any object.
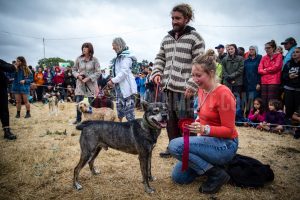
{"x":18,"y":115}
{"x":27,"y":115}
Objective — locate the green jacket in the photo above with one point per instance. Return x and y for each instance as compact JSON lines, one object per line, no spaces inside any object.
{"x":232,"y":71}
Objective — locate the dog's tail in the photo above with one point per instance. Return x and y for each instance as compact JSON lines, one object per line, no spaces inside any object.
{"x":83,"y":124}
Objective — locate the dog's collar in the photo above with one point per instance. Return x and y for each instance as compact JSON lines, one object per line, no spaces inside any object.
{"x":146,"y":123}
{"x":90,"y":110}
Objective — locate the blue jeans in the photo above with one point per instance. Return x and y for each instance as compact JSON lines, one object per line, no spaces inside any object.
{"x":79,"y":98}
{"x":205,"y":152}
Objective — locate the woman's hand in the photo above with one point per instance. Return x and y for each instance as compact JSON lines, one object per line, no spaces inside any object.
{"x":110,"y":84}
{"x":196,"y":127}
{"x":258,"y":87}
{"x":86,"y":79}
{"x":22,"y":81}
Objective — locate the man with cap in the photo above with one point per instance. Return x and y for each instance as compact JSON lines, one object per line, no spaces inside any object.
{"x":222,"y":54}
{"x":289,"y":44}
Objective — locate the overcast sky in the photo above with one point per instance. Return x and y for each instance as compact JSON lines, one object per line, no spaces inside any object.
{"x":66,"y":25}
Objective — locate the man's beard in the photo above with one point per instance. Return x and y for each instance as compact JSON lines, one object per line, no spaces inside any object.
{"x":178,"y":28}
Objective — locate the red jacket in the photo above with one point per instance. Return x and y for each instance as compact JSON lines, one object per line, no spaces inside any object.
{"x":270,"y":69}
{"x":58,"y":78}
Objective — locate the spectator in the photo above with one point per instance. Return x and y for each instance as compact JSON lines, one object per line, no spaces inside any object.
{"x":251,"y":77}
{"x":289,"y":44}
{"x":69,"y":79}
{"x":221,"y":53}
{"x":58,"y":81}
{"x":270,"y":70}
{"x":142,"y":86}
{"x":39,"y":81}
{"x":149,"y":87}
{"x":21,"y":85}
{"x":241,"y":51}
{"x":274,"y":117}
{"x":257,"y":114}
{"x":123,"y":80}
{"x":291,"y":82}
{"x":48,"y":75}
{"x":233,"y":69}
{"x":172,"y":68}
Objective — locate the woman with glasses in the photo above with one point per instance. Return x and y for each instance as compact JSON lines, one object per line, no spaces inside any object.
{"x":270,"y":70}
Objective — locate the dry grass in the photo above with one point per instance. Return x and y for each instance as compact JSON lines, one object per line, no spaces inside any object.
{"x":40,"y":163}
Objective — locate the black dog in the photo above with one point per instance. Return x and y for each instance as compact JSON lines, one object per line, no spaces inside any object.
{"x":136,"y":137}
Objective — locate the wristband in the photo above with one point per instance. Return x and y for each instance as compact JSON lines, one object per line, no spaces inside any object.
{"x":206,"y":130}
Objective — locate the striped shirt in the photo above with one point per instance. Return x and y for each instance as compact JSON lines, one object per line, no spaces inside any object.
{"x":174,"y":60}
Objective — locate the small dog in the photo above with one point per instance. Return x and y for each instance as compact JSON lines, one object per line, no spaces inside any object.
{"x":53,"y":105}
{"x":136,"y":137}
{"x":89,"y":113}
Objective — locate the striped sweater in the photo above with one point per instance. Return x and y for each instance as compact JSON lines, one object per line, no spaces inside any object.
{"x":174,"y":60}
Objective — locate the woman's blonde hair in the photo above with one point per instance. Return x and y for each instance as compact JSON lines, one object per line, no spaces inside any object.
{"x":207,"y":61}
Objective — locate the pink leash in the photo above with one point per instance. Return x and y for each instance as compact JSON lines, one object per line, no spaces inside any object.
{"x":186,"y":149}
{"x":156,"y":92}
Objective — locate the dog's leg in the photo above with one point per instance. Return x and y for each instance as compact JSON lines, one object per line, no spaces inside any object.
{"x":150,"y":177}
{"x":92,"y":159}
{"x":83,"y":160}
{"x":145,"y":173}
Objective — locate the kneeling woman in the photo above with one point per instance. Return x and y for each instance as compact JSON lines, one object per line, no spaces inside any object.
{"x":216,"y":142}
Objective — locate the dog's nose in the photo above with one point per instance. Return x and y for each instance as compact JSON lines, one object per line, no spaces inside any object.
{"x":164,"y":116}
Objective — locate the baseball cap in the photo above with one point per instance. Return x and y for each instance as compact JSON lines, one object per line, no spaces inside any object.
{"x":219,"y":46}
{"x":290,"y":39}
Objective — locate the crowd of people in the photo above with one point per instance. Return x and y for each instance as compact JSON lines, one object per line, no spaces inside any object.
{"x":218,"y":90}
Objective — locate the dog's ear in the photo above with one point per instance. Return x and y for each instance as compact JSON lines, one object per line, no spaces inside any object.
{"x":145,"y":105}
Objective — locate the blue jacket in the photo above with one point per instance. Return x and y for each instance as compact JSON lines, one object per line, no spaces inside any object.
{"x":251,"y":76}
{"x":19,"y":88}
{"x":288,"y":56}
{"x":142,"y":85}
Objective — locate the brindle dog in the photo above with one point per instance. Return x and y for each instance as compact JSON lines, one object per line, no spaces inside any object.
{"x":138,"y":136}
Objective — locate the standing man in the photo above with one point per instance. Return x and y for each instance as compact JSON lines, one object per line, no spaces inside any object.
{"x":290,"y":45}
{"x":4,"y":114}
{"x":173,"y":66}
{"x":221,"y":53}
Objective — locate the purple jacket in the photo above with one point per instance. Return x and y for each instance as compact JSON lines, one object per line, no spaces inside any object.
{"x":275,"y":117}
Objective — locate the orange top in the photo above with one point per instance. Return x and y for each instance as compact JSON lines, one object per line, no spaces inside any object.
{"x":39,"y":78}
{"x":217,"y":110}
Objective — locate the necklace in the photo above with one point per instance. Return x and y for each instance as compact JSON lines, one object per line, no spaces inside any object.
{"x":204,"y":99}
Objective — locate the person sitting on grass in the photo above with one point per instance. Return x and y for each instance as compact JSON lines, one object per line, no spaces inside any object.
{"x":257,"y":113}
{"x":274,"y":117}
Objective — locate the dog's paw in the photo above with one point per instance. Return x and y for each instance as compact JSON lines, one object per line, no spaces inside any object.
{"x":95,"y":171}
{"x":77,"y":186}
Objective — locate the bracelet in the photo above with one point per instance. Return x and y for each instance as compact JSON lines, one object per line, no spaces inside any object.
{"x":206,"y":130}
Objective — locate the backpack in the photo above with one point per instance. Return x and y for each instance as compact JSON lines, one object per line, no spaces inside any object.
{"x":245,"y":171}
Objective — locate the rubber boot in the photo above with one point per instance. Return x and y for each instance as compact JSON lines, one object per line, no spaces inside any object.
{"x":27,"y":114}
{"x":9,"y":135}
{"x":18,"y":114}
{"x":216,"y":177}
